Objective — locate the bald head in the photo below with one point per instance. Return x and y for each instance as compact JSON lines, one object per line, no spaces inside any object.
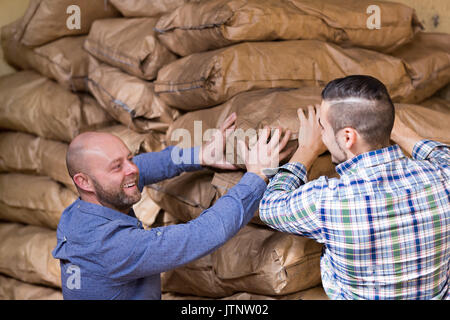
{"x":85,"y":145}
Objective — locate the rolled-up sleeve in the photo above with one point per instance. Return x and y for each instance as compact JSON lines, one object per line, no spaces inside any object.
{"x":290,"y":203}
{"x":132,"y":253}
{"x":433,"y":151}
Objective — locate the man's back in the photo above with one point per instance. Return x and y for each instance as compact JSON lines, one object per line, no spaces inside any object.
{"x":384,"y":223}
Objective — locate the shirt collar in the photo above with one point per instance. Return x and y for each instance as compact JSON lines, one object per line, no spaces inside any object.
{"x":105,"y":212}
{"x":370,"y":159}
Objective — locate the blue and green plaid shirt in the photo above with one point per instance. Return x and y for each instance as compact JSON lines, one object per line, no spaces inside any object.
{"x":384,"y":223}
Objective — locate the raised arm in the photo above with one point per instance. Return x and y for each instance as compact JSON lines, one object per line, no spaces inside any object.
{"x":419,"y":147}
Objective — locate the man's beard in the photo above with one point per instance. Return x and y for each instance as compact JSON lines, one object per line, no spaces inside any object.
{"x":116,"y":199}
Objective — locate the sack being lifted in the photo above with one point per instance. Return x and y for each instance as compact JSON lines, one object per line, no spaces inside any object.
{"x":206,"y":25}
{"x":129,"y":44}
{"x":206,"y":79}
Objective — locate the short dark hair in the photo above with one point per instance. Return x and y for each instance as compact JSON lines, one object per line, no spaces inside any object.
{"x":371,"y":111}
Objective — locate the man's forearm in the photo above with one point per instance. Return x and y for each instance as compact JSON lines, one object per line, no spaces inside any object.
{"x":305,"y":157}
{"x":166,"y":164}
{"x":406,"y":139}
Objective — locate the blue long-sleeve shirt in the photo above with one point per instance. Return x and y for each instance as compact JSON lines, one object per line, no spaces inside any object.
{"x":105,"y":254}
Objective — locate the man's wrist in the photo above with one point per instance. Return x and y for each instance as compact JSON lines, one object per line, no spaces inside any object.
{"x":305,"y":156}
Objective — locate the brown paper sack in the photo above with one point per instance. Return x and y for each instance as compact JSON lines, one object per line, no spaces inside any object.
{"x":33,"y":200}
{"x":128,"y":99}
{"x":137,"y":142}
{"x":48,"y":20}
{"x":63,"y":60}
{"x":196,"y":27}
{"x":147,"y":8}
{"x":256,"y":260}
{"x":427,"y":60}
{"x":25,"y":254}
{"x":430,"y":120}
{"x":129,"y":44}
{"x":12,"y":289}
{"x":34,"y":104}
{"x":206,"y":79}
{"x":26,"y":153}
{"x":316,"y":293}
{"x":185,"y":196}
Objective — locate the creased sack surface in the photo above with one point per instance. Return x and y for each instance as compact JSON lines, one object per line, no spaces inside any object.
{"x":12,"y":289}
{"x":256,"y":260}
{"x":46,"y":20}
{"x":26,"y":153}
{"x":129,"y":44}
{"x":206,"y":79}
{"x":33,"y":200}
{"x":429,"y":120}
{"x":148,"y":8}
{"x":207,"y":25}
{"x":63,"y":60}
{"x":185,"y":196}
{"x":427,"y":60}
{"x":137,"y":142}
{"x":34,"y":104}
{"x":25,"y":254}
{"x":128,"y":99}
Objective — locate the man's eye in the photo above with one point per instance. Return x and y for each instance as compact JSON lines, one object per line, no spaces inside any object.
{"x":117,"y":166}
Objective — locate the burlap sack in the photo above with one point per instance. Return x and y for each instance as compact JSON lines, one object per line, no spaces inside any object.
{"x":205,"y":79}
{"x":12,"y":289}
{"x":136,"y":142}
{"x":128,"y":99}
{"x":256,"y":260}
{"x":185,"y":196}
{"x":33,"y":200}
{"x":34,"y":104}
{"x":25,"y":254}
{"x":63,"y":60}
{"x":26,"y":153}
{"x":197,"y":27}
{"x":47,"y":20}
{"x":129,"y":44}
{"x":430,"y":120}
{"x":147,"y":8}
{"x":427,"y":60}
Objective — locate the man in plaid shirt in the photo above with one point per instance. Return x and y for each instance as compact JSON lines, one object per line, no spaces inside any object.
{"x":385,"y":223}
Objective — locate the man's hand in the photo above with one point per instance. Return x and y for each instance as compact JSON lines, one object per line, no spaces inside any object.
{"x":404,"y":136}
{"x":310,"y":144}
{"x":264,"y":153}
{"x":212,"y":154}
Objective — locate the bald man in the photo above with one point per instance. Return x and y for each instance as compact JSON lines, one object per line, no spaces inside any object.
{"x":103,"y":249}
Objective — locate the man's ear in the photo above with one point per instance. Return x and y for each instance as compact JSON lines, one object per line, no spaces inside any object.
{"x":83,"y":182}
{"x":350,"y":136}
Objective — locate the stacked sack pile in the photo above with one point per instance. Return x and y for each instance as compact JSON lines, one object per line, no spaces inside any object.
{"x":143,"y":69}
{"x":43,"y":107}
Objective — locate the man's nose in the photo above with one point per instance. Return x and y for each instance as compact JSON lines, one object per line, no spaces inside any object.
{"x":131,"y":168}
